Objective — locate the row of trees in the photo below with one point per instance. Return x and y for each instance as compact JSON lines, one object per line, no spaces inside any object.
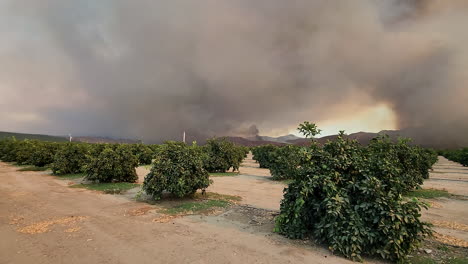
{"x":181,"y":170}
{"x":285,"y":162}
{"x":176,"y":168}
{"x":457,"y":155}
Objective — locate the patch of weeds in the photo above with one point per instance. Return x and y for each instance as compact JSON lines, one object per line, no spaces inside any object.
{"x":71,"y":176}
{"x":223,"y":174}
{"x":443,"y":248}
{"x":199,"y":203}
{"x":457,"y":261}
{"x":217,"y":196}
{"x":429,"y":194}
{"x":422,"y":260}
{"x":441,"y":253}
{"x":196,"y":206}
{"x":33,"y":168}
{"x":109,"y":188}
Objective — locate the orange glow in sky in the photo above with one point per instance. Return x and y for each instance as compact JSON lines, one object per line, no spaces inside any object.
{"x":374,"y":119}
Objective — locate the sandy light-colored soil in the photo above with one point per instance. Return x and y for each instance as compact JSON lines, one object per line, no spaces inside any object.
{"x":253,"y":184}
{"x":44,"y":221}
{"x":449,"y":215}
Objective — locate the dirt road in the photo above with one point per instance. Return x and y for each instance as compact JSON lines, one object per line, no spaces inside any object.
{"x":44,"y":221}
{"x":449,"y":215}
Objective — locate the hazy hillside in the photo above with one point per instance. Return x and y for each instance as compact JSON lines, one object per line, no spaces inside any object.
{"x":21,"y":136}
{"x":282,"y":139}
{"x":105,"y":140}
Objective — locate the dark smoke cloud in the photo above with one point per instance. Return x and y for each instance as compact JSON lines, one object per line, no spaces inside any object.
{"x":152,"y":69}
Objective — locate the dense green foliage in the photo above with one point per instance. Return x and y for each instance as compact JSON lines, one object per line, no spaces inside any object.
{"x":410,"y":165}
{"x":113,"y":166}
{"x":144,"y":153}
{"x":71,"y":158}
{"x":177,"y":169}
{"x":262,"y":154}
{"x":350,"y":197}
{"x":221,"y":155}
{"x":285,"y":162}
{"x":23,"y":151}
{"x":458,"y":155}
{"x":43,"y":154}
{"x":7,"y":150}
{"x":32,"y":152}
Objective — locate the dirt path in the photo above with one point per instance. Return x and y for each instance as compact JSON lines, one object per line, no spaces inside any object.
{"x":253,"y":184}
{"x":450,"y":176}
{"x":449,"y":216}
{"x":44,"y":221}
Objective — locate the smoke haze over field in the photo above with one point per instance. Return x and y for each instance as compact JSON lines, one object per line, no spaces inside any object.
{"x":151,"y":69}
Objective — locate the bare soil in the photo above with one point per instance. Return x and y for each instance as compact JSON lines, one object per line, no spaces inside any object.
{"x":42,"y":220}
{"x":449,"y":215}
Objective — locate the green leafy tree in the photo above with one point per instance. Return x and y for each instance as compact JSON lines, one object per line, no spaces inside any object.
{"x":264,"y":155}
{"x":71,"y":158}
{"x":43,"y":154}
{"x":221,"y":155}
{"x":177,"y":169}
{"x":113,"y":166}
{"x":286,"y":162}
{"x":144,"y":154}
{"x":24,"y":150}
{"x":350,"y":197}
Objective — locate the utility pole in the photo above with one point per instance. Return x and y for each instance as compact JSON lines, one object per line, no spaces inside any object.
{"x":183,"y":137}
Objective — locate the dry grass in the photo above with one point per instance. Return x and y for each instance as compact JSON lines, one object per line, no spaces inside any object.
{"x":140,"y":211}
{"x":451,"y":225}
{"x":44,"y":226}
{"x":450,"y":240}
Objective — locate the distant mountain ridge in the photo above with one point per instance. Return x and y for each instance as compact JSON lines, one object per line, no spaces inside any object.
{"x":107,"y":140}
{"x":22,"y":136}
{"x":282,"y":139}
{"x":417,"y":135}
{"x":362,"y":137}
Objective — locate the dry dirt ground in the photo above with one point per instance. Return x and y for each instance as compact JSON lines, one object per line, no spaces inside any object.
{"x":44,"y":221}
{"x":449,"y":215}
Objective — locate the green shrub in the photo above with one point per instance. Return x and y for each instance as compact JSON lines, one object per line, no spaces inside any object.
{"x":350,"y":198}
{"x":409,"y":165}
{"x":177,"y":169}
{"x":43,"y":154}
{"x":71,"y":159}
{"x":221,"y":155}
{"x":459,"y":155}
{"x":143,"y":153}
{"x":113,"y":166}
{"x":8,"y":149}
{"x":24,"y":150}
{"x":262,"y":154}
{"x":285,"y":162}
{"x":96,"y":149}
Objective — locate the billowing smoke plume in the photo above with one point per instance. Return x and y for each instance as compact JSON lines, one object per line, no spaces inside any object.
{"x":152,"y":69}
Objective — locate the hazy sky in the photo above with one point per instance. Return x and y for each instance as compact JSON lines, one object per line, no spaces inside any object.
{"x":151,"y":69}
